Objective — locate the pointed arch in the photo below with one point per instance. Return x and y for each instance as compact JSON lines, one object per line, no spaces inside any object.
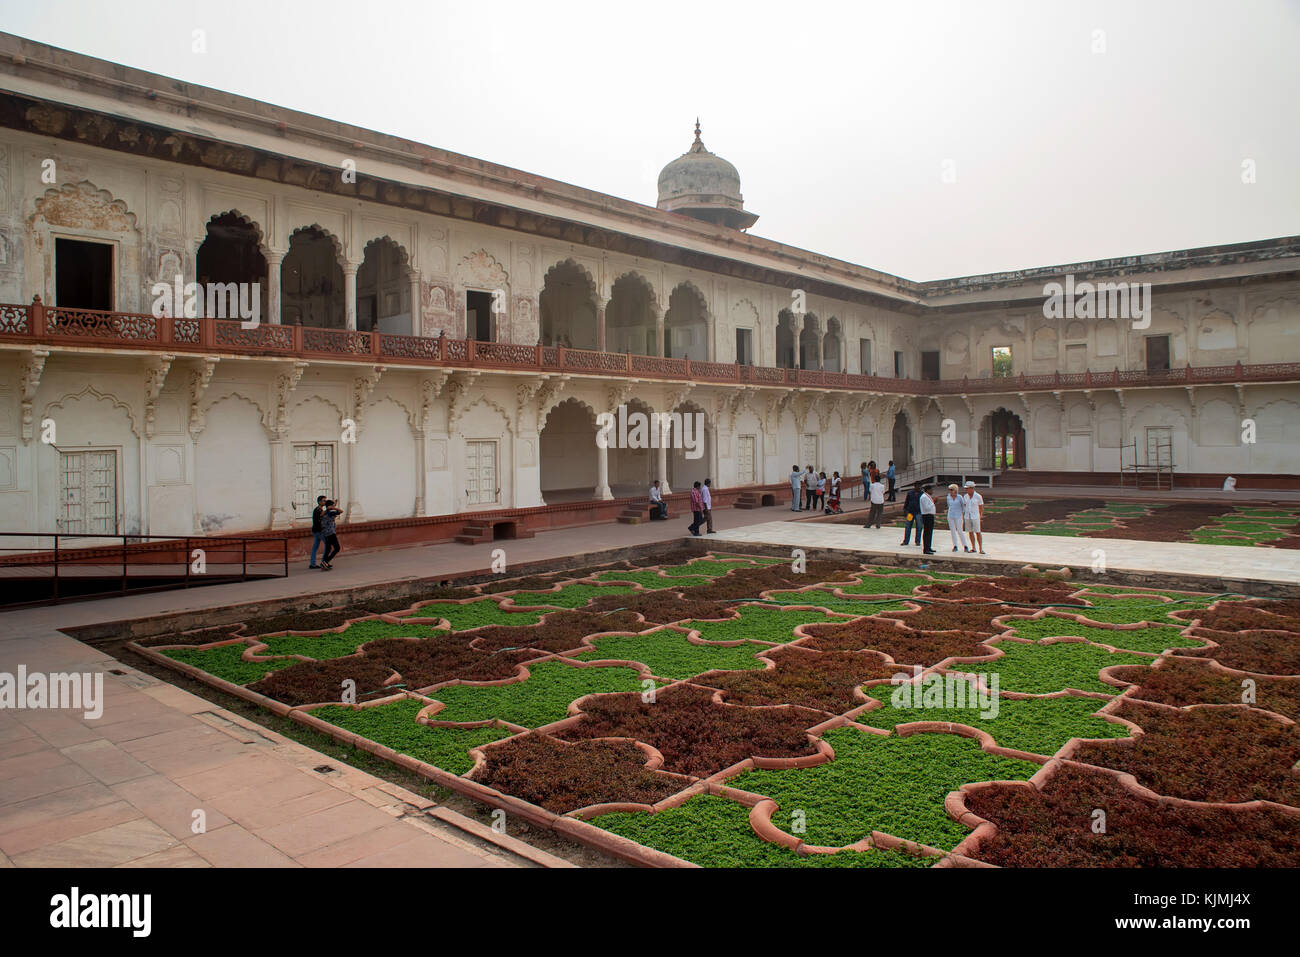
{"x":631,"y":316}
{"x":91,"y":392}
{"x":384,"y":287}
{"x":567,"y":304}
{"x":687,"y":323}
{"x":311,"y":279}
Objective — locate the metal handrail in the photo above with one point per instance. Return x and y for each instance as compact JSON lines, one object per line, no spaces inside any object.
{"x":105,"y":549}
{"x":939,"y":465}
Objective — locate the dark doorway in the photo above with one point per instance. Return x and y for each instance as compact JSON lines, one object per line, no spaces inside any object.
{"x":1003,"y":441}
{"x":1157,"y":353}
{"x":901,"y":442}
{"x":231,"y":253}
{"x":785,"y":340}
{"x":930,"y":365}
{"x":478,"y":316}
{"x":744,"y":348}
{"x":311,"y":281}
{"x":83,"y":275}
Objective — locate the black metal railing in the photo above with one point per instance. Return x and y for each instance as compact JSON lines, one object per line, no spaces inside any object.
{"x":43,"y":568}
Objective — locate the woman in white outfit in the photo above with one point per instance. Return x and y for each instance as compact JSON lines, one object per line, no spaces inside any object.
{"x":956,"y":512}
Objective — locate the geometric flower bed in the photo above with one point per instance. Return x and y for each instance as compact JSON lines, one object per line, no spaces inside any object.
{"x":1203,"y":523}
{"x":729,"y":711}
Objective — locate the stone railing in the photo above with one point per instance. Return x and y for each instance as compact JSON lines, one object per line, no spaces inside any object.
{"x":37,"y":324}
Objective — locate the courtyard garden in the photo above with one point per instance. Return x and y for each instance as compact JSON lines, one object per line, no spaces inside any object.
{"x":746,"y":711}
{"x":1202,"y":523}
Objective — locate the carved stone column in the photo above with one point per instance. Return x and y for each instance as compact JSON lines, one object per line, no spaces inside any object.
{"x":663,"y":464}
{"x":350,"y":294}
{"x":602,"y":474}
{"x":600,"y":324}
{"x":420,"y":441}
{"x":659,"y":332}
{"x":281,"y":511}
{"x":417,"y":301}
{"x":274,"y":258}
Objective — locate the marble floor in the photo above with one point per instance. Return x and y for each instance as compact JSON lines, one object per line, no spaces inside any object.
{"x":1236,"y":566}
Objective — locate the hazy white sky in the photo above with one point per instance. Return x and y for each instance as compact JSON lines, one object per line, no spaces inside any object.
{"x":841,"y":118}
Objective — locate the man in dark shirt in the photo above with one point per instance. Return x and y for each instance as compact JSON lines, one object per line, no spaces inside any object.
{"x":912,"y":514}
{"x":317,"y":538}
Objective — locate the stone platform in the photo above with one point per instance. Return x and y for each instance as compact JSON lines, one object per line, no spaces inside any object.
{"x":1265,"y":571}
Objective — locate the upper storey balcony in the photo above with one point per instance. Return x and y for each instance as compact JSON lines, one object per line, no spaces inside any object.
{"x":79,"y":329}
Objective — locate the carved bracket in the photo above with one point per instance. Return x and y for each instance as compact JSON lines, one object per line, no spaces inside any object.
{"x":200,"y":378}
{"x":155,"y":375}
{"x":362,"y":386}
{"x":457,"y":396}
{"x":29,"y":378}
{"x":285,"y":382}
{"x":548,"y":397}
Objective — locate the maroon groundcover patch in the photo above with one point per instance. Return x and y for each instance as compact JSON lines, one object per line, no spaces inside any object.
{"x":1184,"y":681}
{"x":905,"y":645}
{"x":1036,"y":512}
{"x":418,"y":663}
{"x":1259,"y":652}
{"x":1205,"y":754}
{"x":563,"y":777}
{"x":953,"y":616}
{"x":1024,"y":591}
{"x":560,"y":631}
{"x":695,"y":735}
{"x":811,"y":679}
{"x":1169,"y":523}
{"x":1243,"y":616}
{"x":1054,"y":828}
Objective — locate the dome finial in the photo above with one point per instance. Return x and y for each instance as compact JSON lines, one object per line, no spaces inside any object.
{"x":697,"y":129}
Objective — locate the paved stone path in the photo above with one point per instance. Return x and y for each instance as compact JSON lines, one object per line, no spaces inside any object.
{"x":1234,"y":563}
{"x":123,"y":789}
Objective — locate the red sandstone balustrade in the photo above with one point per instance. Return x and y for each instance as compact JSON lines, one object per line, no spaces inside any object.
{"x":51,"y":325}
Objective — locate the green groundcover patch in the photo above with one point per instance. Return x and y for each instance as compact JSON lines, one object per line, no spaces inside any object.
{"x":544,"y":697}
{"x":822,"y":598}
{"x":713,"y":831}
{"x":476,"y":614}
{"x":1153,"y":638}
{"x":1042,"y":669}
{"x":569,"y":596}
{"x":224,"y":662}
{"x":332,"y":645}
{"x":886,"y":585}
{"x":393,"y":725}
{"x":669,"y":654}
{"x":651,"y":580}
{"x":891,"y":784}
{"x":708,"y":567}
{"x":1122,"y":611}
{"x":759,"y":623}
{"x":1036,"y":725}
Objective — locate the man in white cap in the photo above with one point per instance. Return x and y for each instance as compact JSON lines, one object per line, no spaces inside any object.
{"x":973,"y":514}
{"x":956,"y":509}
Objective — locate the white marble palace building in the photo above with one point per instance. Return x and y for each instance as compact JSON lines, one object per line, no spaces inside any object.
{"x":436,"y":334}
